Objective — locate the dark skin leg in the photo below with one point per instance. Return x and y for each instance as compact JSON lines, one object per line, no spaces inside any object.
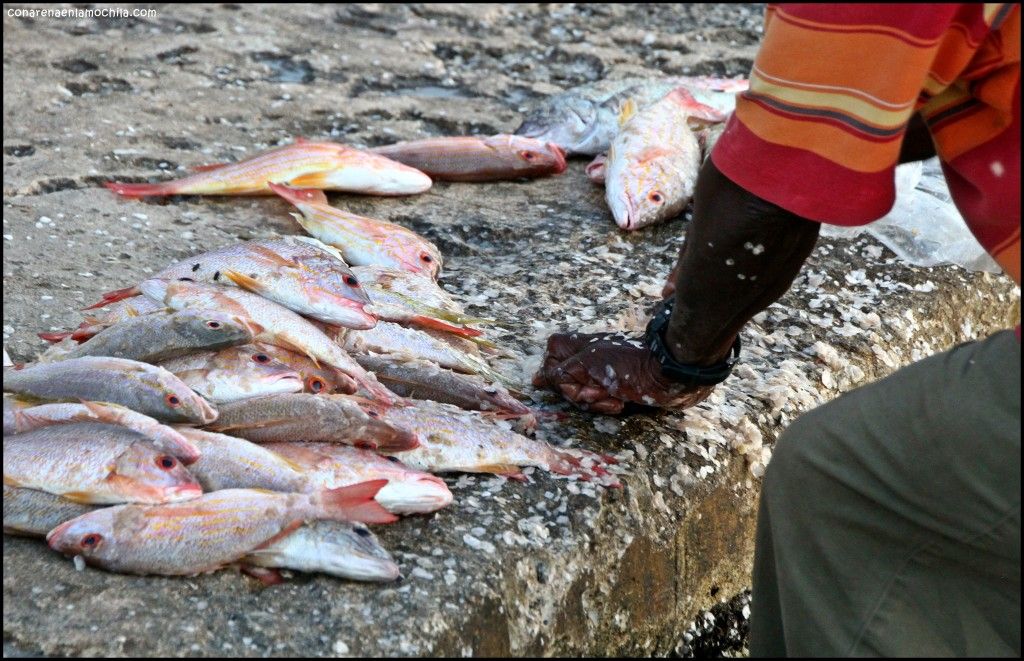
{"x":764,"y":243}
{"x":734,"y":233}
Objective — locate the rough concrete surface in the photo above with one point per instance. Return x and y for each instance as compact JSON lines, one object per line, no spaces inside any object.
{"x":550,"y":567}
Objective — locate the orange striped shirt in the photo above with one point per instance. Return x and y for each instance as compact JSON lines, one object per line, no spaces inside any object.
{"x":832,"y":90}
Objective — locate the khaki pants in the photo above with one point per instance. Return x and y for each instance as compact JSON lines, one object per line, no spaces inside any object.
{"x":890,"y":517}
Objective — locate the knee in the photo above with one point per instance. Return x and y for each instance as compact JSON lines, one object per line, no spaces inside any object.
{"x":793,"y":456}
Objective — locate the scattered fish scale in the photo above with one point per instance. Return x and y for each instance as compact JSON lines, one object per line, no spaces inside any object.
{"x":21,"y":417}
{"x":281,"y":326}
{"x":97,"y":464}
{"x":345,"y":550}
{"x":34,"y":513}
{"x":144,"y":388}
{"x":329,"y":465}
{"x":303,"y":417}
{"x":455,"y":440}
{"x":362,"y":241}
{"x":473,"y":158}
{"x":157,"y":337}
{"x":235,"y":373}
{"x":322,"y":165}
{"x":208,"y":533}
{"x":300,"y":273}
{"x":585,"y":119}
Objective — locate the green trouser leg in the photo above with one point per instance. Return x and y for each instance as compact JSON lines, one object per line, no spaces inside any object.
{"x":890,"y":517}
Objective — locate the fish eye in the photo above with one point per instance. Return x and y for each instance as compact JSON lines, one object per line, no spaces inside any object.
{"x":173,"y":401}
{"x":373,"y":414}
{"x":91,"y":541}
{"x":261,"y":358}
{"x":527,"y":155}
{"x":362,"y":532}
{"x":315,"y":384}
{"x":166,"y":462}
{"x":393,"y":460}
{"x":426,"y":258}
{"x":656,"y":197}
{"x":351,"y":281}
{"x":213,"y":324}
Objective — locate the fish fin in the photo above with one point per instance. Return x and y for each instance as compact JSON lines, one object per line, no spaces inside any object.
{"x":79,"y":497}
{"x":402,"y":441}
{"x":11,"y":482}
{"x":510,"y":471}
{"x":437,"y":324}
{"x":287,"y":530}
{"x":98,"y":410}
{"x":627,"y":111}
{"x":298,"y":195}
{"x":596,"y":168}
{"x":355,"y":503}
{"x":285,"y":343}
{"x":24,"y":421}
{"x":208,"y":167}
{"x":116,"y":295}
{"x":274,"y":257}
{"x":142,"y":190}
{"x":311,"y":181}
{"x":55,"y":337}
{"x":248,"y":283}
{"x":651,"y":153}
{"x":265,"y":575}
{"x":695,"y":108}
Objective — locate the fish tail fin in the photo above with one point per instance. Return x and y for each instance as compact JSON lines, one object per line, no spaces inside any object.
{"x":627,"y":111}
{"x":355,"y":503}
{"x":55,"y":337}
{"x":596,"y":169}
{"x":142,"y":190}
{"x":299,"y":196}
{"x":437,"y":324}
{"x":563,"y":463}
{"x":115,"y":295}
{"x":695,"y":108}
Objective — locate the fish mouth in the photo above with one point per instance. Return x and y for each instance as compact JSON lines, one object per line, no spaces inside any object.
{"x":362,"y":567}
{"x":559,"y":154}
{"x":53,"y":537}
{"x":207,"y":413}
{"x":357,"y":317}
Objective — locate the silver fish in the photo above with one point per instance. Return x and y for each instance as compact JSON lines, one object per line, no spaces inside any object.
{"x":584,"y":119}
{"x":345,"y":550}
{"x":150,"y":390}
{"x":158,"y":337}
{"x":34,"y":513}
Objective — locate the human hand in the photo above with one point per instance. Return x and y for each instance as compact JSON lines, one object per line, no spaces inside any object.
{"x":602,"y":372}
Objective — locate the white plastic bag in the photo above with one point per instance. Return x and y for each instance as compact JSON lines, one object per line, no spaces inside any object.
{"x":924,"y":227}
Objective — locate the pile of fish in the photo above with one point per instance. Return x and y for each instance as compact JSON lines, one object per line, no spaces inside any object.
{"x":256,"y":405}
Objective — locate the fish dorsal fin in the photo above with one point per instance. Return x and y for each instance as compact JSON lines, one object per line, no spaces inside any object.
{"x":208,"y":167}
{"x":627,"y":111}
{"x":243,"y":281}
